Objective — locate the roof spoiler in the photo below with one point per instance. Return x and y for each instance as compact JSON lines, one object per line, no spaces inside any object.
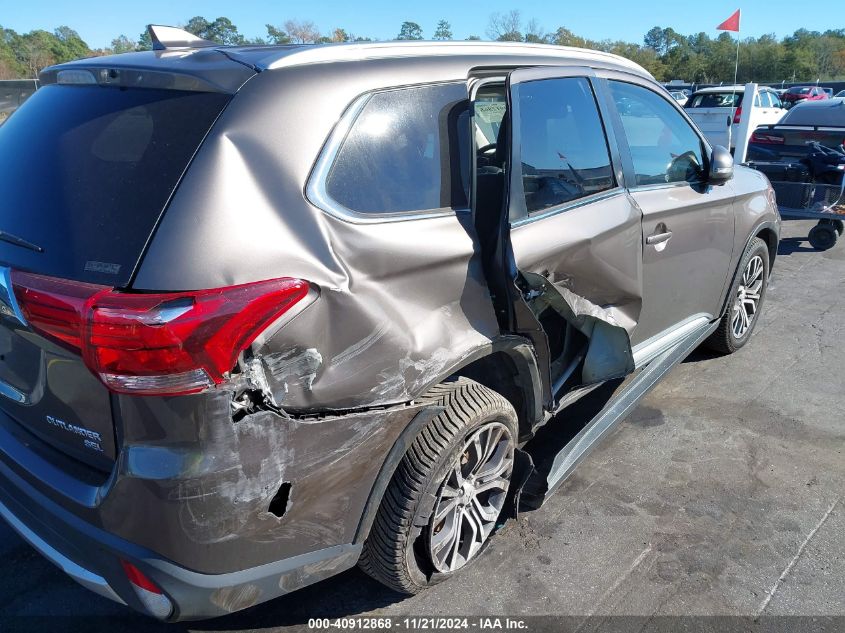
{"x":169,"y":37}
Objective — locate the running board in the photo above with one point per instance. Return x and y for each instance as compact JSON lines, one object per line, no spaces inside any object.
{"x":614,"y":412}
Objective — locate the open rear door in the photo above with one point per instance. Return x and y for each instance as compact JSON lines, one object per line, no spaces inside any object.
{"x":560,"y":237}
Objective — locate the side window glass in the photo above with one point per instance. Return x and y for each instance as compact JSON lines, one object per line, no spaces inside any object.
{"x":757,"y":100}
{"x":664,"y":147}
{"x":776,"y":102}
{"x":408,"y":150}
{"x":563,"y":146}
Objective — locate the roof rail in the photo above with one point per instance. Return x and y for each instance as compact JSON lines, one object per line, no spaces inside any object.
{"x":169,"y":37}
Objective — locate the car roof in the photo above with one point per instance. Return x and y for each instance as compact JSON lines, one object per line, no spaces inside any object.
{"x":274,"y":57}
{"x":737,"y":88}
{"x":835,"y":102}
{"x":825,"y":112}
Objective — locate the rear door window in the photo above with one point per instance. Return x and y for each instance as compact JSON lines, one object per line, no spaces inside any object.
{"x":86,"y":171}
{"x":563,"y":148}
{"x":407,"y":151}
{"x":664,"y":147}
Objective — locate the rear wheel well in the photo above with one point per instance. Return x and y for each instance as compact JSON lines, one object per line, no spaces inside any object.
{"x":498,"y":371}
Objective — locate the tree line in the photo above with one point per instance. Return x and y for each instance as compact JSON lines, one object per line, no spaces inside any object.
{"x":807,"y":56}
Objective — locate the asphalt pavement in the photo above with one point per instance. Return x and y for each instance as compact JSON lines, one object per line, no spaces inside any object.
{"x":721,"y":495}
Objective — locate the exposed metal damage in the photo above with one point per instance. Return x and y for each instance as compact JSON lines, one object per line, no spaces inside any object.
{"x":243,"y":470}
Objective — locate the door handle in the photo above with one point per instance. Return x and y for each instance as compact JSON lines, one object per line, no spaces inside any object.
{"x":658,"y":238}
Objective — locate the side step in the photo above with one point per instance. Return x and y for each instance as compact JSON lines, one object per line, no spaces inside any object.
{"x":541,"y":485}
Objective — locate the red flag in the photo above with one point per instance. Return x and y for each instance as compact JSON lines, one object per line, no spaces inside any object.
{"x":731,"y":24}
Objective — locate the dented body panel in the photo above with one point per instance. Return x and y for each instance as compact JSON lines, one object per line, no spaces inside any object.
{"x":270,"y":480}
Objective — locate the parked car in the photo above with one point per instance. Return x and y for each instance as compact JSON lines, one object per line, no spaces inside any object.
{"x":269,"y":312}
{"x":807,"y":123}
{"x":797,"y":94}
{"x":719,"y":109}
{"x":679,"y":96}
{"x":804,"y":158}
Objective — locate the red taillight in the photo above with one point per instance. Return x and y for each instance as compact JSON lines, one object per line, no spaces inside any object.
{"x":160,"y":343}
{"x":54,"y":307}
{"x":767,"y":139}
{"x":737,"y":114}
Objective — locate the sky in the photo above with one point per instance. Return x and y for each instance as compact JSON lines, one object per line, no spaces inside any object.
{"x":98,"y":22}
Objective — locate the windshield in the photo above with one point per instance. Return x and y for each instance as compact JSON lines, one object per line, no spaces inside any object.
{"x":798,"y":91}
{"x":85,"y":172}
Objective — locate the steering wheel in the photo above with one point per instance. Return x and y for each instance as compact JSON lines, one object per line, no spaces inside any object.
{"x":486,"y":148}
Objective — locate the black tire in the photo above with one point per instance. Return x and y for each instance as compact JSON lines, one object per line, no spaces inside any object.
{"x":396,"y":552}
{"x":838,"y":225}
{"x":823,"y":236}
{"x":724,"y":339}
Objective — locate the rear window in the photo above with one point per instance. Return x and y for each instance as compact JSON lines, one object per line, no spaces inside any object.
{"x":825,"y":114}
{"x":408,"y":150}
{"x":798,"y":91}
{"x":85,"y":172}
{"x":715,"y":100}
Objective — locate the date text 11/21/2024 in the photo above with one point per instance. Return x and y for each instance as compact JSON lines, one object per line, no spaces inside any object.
{"x":419,"y":623}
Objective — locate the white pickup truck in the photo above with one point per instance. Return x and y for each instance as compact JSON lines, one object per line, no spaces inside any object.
{"x":719,"y":109}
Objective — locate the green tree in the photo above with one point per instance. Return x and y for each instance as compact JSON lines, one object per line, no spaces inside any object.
{"x":145,"y":42}
{"x":443,"y":31}
{"x":220,"y":30}
{"x":277,"y":35}
{"x":122,"y":44}
{"x":410,"y":31}
{"x":340,"y":35}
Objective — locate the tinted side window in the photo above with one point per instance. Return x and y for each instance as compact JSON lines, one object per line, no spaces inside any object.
{"x":563,"y":147}
{"x":408,"y":150}
{"x":664,"y":147}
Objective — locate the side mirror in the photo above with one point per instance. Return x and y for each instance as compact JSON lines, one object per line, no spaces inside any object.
{"x":721,"y":166}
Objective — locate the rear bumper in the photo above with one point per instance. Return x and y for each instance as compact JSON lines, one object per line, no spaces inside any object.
{"x":187,"y":502}
{"x":92,"y":557}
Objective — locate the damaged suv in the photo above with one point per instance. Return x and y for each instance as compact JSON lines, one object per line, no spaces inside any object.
{"x":271,"y":312}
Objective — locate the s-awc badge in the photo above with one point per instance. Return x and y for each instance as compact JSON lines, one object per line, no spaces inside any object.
{"x":90,"y":439}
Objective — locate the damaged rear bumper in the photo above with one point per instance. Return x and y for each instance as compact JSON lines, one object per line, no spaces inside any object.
{"x":92,"y":557}
{"x":191,"y":510}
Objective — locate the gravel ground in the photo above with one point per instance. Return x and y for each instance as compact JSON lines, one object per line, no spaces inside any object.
{"x":722,"y":495}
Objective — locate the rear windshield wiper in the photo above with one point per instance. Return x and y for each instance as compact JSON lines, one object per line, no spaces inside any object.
{"x":19,"y":241}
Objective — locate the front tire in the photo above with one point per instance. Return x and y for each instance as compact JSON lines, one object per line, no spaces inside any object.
{"x":444,"y":500}
{"x":747,"y":295}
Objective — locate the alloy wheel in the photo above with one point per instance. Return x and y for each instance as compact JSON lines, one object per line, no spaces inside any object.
{"x":471,"y":497}
{"x":747,"y":297}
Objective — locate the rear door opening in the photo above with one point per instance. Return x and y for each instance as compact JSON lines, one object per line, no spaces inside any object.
{"x":86,"y":171}
{"x":559,"y":237}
